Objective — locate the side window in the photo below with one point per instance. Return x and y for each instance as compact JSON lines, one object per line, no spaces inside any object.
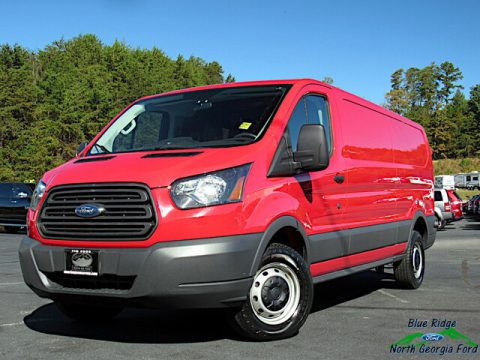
{"x":311,"y":109}
{"x":438,"y":196}
{"x":317,"y":113}
{"x":298,"y":118}
{"x":468,"y":178}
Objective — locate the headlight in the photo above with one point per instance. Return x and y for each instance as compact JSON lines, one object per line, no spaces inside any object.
{"x":37,"y":195}
{"x":219,"y":187}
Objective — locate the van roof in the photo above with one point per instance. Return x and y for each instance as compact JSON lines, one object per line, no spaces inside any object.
{"x":297,"y":82}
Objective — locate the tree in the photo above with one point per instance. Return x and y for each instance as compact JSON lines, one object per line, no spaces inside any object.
{"x":54,"y":98}
{"x":474,"y":126}
{"x":230,"y":78}
{"x":448,"y":75}
{"x":327,"y":80}
{"x":431,"y":97}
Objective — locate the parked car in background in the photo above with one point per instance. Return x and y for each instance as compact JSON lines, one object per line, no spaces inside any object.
{"x":471,"y":204}
{"x":456,"y":204}
{"x":476,"y":205}
{"x":465,"y":206}
{"x":440,"y":221}
{"x":443,"y":203}
{"x":14,"y":203}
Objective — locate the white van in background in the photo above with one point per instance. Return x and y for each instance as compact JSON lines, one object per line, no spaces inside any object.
{"x":445,"y":182}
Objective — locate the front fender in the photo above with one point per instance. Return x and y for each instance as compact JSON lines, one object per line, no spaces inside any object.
{"x":273,"y":228}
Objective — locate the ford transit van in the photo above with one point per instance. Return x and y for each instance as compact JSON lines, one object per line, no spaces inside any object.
{"x":239,"y":196}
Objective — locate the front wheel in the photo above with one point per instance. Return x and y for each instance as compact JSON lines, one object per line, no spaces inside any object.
{"x":410,"y":270}
{"x":280,"y":298}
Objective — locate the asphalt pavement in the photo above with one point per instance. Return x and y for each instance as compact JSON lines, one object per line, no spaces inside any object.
{"x":356,"y":317}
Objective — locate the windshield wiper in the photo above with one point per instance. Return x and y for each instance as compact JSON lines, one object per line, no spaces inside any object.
{"x":173,"y":147}
{"x":102,"y":148}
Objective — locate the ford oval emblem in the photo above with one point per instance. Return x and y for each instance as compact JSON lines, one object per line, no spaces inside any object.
{"x":82,"y":259}
{"x":89,"y":210}
{"x":432,"y":337}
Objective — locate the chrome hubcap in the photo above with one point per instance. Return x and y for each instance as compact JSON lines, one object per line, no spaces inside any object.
{"x":417,"y":261}
{"x":275,"y":293}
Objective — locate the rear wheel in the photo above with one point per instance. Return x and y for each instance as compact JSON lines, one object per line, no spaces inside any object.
{"x":442,"y":225}
{"x":87,"y":313}
{"x":280,"y":298}
{"x":410,"y":270}
{"x":439,"y":223}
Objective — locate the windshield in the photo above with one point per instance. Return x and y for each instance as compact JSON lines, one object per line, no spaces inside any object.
{"x":206,"y":118}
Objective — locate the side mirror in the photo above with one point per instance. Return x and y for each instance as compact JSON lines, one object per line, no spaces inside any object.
{"x":81,"y":147}
{"x":312,"y":148}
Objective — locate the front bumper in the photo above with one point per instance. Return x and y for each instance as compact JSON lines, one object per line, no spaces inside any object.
{"x":203,"y":273}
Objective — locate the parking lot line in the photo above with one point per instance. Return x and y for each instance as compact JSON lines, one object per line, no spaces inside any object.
{"x":11,"y":283}
{"x":392,"y":296}
{"x":12,"y":324}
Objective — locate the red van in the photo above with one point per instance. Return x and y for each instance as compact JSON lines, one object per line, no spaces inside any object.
{"x":238,"y":196}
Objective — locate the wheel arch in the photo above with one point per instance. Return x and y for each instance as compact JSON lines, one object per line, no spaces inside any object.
{"x":420,"y":224}
{"x":285,"y":230}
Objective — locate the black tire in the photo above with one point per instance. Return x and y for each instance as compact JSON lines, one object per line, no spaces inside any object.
{"x":283,"y":280}
{"x":440,"y":223}
{"x":410,"y":270}
{"x":12,"y":229}
{"x":87,"y":313}
{"x":443,"y":223}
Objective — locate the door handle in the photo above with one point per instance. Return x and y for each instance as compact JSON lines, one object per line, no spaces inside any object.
{"x":339,"y":179}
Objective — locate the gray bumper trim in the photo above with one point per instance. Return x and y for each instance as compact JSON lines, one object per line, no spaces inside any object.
{"x":431,"y":230}
{"x":203,"y":273}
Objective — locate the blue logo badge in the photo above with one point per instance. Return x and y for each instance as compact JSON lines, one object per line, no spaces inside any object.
{"x":432,"y":337}
{"x":89,"y":210}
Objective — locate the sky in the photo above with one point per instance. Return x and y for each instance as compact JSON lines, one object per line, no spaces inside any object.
{"x":357,"y":43}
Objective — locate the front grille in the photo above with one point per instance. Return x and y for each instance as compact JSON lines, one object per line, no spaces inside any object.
{"x":129,"y":212}
{"x":13,"y":215}
{"x":102,"y":282}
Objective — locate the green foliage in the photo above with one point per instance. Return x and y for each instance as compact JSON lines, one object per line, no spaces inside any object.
{"x":456,"y":166}
{"x":431,"y":96}
{"x":328,"y":80}
{"x":466,"y":194}
{"x":53,"y":99}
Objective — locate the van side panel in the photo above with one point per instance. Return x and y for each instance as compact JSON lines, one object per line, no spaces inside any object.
{"x":389,"y":180}
{"x":370,"y":169}
{"x":412,"y":157}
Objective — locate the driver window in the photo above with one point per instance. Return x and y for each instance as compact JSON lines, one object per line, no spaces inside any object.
{"x":298,"y":118}
{"x":311,"y":109}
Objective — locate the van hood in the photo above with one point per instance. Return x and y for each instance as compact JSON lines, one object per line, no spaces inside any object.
{"x":155,"y":169}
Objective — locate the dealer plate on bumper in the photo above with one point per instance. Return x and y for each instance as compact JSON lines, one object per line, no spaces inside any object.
{"x":81,"y":262}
